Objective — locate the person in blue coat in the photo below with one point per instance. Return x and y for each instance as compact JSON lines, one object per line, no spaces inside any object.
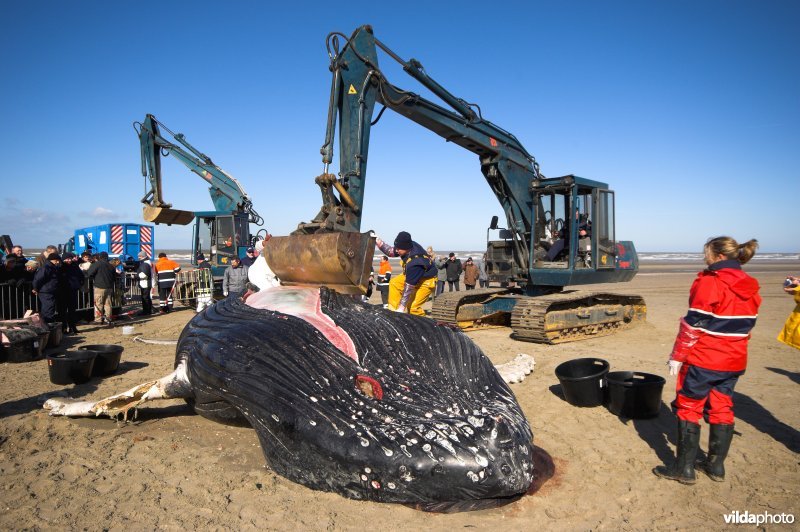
{"x":47,"y":283}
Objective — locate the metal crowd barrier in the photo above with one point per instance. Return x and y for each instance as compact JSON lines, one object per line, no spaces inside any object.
{"x":16,"y":299}
{"x":192,"y":286}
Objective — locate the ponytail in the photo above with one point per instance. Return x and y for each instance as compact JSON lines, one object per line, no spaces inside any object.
{"x":732,"y":250}
{"x":747,"y":250}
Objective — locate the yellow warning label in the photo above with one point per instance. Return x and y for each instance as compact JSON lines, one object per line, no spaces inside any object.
{"x":351,"y":90}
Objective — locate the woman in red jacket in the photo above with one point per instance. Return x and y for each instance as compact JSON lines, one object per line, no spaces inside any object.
{"x":710,"y":354}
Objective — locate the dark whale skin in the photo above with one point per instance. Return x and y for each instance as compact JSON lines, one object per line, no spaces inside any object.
{"x":447,"y":434}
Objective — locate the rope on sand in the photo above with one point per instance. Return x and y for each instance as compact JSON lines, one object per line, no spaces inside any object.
{"x":156,"y":342}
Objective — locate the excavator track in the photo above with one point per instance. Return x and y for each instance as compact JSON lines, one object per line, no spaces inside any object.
{"x":446,"y":305}
{"x":548,"y":319}
{"x":572,"y":316}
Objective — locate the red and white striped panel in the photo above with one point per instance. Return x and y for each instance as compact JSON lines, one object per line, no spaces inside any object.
{"x":116,"y":239}
{"x":145,"y":234}
{"x":147,"y":248}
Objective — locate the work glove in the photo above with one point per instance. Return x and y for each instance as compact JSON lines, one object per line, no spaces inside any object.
{"x":674,"y":366}
{"x":401,"y":309}
{"x":378,"y":242}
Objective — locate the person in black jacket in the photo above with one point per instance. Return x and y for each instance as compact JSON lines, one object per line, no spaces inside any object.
{"x":104,"y":278}
{"x":46,"y":285}
{"x":454,"y":269}
{"x":73,"y":281}
{"x":18,"y":278}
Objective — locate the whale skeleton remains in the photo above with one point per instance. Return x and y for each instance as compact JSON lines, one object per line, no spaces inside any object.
{"x":350,"y":398}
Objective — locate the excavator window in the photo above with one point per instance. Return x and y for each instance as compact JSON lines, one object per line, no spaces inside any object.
{"x":604,"y":229}
{"x":226,"y":236}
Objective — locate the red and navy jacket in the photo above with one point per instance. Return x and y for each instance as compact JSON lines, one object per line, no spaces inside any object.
{"x":723,"y":307}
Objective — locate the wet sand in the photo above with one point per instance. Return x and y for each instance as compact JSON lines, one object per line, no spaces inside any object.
{"x":173,"y":470}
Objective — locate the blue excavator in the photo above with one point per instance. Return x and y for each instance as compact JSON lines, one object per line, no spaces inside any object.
{"x":559,"y":231}
{"x":219,"y":234}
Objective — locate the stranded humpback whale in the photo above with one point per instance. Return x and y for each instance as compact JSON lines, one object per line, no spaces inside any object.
{"x":350,"y":398}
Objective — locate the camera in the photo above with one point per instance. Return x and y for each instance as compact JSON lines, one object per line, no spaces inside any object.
{"x":789,"y":282}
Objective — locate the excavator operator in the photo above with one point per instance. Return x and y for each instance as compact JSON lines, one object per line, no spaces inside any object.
{"x":418,"y":280}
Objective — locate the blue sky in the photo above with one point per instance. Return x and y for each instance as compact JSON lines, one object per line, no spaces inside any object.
{"x":690,"y":110}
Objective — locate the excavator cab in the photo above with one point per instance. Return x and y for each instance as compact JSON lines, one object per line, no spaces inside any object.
{"x":220,"y":237}
{"x":574,"y":233}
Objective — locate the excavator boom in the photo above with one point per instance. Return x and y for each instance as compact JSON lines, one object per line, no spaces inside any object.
{"x":226,"y":193}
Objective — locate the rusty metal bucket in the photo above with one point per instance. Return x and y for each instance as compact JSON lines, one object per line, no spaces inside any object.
{"x":341,"y":261}
{"x":163,"y":215}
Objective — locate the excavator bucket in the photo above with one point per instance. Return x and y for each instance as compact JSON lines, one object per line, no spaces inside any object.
{"x":342,"y":261}
{"x":163,"y":215}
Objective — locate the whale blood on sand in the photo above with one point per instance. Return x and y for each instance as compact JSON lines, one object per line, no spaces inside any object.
{"x":350,"y":398}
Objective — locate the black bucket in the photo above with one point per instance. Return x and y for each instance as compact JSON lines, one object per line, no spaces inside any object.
{"x":71,"y":367}
{"x":582,"y":381}
{"x":634,"y":395}
{"x":56,"y":334}
{"x":108,"y":357}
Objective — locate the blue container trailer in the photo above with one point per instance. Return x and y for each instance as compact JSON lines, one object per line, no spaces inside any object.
{"x":121,"y":240}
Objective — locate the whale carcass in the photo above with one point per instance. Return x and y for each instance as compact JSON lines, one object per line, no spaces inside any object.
{"x":350,"y":398}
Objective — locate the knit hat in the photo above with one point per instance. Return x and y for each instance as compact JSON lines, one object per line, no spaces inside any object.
{"x":68,"y":255}
{"x":403,"y":241}
{"x":251,"y":250}
{"x":142,"y":255}
{"x":200,"y":256}
{"x":54,"y":256}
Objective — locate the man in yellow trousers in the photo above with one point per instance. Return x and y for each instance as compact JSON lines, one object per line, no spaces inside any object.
{"x":410,"y":289}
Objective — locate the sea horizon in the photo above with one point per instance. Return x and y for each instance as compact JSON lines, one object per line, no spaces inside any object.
{"x":184,"y":255}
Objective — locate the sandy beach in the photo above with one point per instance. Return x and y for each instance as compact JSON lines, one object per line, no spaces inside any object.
{"x":173,"y":470}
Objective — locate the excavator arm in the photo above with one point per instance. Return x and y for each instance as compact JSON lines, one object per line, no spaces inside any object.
{"x":357,"y":85}
{"x":226,"y":193}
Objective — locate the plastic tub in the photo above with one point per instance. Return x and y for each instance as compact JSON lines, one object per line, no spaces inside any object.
{"x":582,"y":381}
{"x":108,"y":357}
{"x":71,"y":366}
{"x":56,"y":334}
{"x":41,"y":343}
{"x":633,"y":394}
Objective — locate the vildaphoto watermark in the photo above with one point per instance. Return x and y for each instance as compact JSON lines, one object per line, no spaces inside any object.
{"x":764,"y":518}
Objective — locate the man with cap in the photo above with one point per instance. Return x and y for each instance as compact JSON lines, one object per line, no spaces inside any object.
{"x":47,"y":283}
{"x":410,"y":289}
{"x":145,"y":274}
{"x":454,"y":269}
{"x":250,"y":257}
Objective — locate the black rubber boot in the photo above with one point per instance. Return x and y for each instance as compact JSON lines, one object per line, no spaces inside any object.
{"x":719,"y":442}
{"x":682,"y":469}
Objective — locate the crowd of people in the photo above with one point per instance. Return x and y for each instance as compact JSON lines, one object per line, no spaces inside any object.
{"x":56,"y":280}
